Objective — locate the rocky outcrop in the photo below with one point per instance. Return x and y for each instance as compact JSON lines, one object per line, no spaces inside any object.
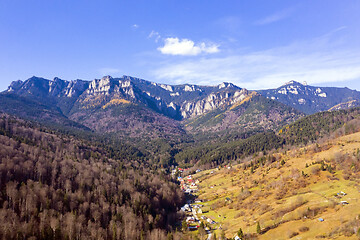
{"x":211,"y":102}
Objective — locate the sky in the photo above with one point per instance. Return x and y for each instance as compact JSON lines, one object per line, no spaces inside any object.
{"x":253,"y":44}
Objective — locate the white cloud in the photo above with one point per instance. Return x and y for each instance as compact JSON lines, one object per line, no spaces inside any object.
{"x":275,"y":17}
{"x":186,"y":47}
{"x":321,"y":60}
{"x":154,"y":35}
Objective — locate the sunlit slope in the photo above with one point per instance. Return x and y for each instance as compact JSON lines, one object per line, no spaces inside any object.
{"x":289,"y":193}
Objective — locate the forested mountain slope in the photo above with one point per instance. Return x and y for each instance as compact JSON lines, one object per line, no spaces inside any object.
{"x":54,"y":186}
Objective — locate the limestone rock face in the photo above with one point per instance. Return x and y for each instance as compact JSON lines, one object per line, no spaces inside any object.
{"x":211,"y":102}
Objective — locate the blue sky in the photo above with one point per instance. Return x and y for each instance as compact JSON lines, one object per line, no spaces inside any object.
{"x":253,"y":44}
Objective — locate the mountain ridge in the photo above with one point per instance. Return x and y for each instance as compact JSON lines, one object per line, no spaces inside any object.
{"x":312,"y":99}
{"x":139,"y":108}
{"x":160,"y":97}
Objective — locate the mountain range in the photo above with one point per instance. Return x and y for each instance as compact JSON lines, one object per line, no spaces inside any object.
{"x":134,"y":107}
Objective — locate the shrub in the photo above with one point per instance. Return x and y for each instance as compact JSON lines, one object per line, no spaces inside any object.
{"x":304,"y":229}
{"x":292,"y":234}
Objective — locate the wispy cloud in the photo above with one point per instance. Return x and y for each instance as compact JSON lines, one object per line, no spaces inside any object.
{"x":278,"y":16}
{"x":315,"y":61}
{"x":135,"y":26}
{"x":230,"y":23}
{"x":155,"y":35}
{"x":186,"y":47}
{"x":108,"y":71}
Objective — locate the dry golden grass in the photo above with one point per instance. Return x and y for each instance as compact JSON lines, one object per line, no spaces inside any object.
{"x":288,"y":199}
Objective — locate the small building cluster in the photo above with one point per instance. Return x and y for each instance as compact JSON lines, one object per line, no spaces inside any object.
{"x":193,"y":209}
{"x":188,"y":184}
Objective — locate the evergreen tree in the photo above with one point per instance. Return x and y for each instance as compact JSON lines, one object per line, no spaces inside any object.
{"x":258,"y":228}
{"x":240,"y":234}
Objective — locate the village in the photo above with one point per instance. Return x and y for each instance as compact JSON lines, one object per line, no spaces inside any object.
{"x":193,"y":208}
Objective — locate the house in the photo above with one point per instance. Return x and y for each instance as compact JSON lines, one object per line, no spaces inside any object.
{"x":341,"y":193}
{"x":198,"y":170}
{"x":190,"y":219}
{"x":210,"y":221}
{"x":320,"y":219}
{"x":237,"y":238}
{"x":192,"y":228}
{"x":187,"y":207}
{"x":188,"y":190}
{"x":198,"y":205}
{"x":194,"y":211}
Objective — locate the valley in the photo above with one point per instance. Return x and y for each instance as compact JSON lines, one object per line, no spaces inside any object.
{"x":106,"y":154}
{"x":179,"y":120}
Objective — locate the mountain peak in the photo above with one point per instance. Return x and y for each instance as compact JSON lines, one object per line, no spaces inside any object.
{"x":107,"y":78}
{"x":225,"y":85}
{"x":293,"y":82}
{"x":56,"y":79}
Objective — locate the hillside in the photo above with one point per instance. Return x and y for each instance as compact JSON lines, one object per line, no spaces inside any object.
{"x":316,"y":126}
{"x":57,"y":186}
{"x":36,"y":111}
{"x":300,"y":193}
